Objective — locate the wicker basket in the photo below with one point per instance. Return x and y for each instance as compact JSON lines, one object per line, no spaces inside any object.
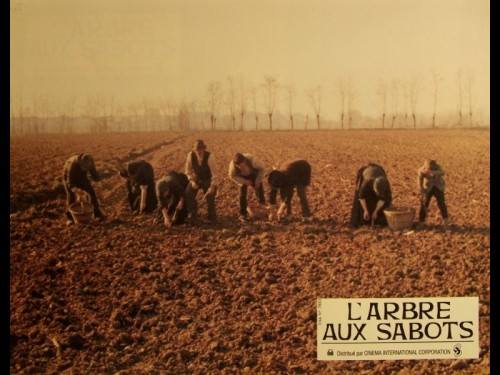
{"x":400,"y":218}
{"x":82,"y":212}
{"x":257,"y":211}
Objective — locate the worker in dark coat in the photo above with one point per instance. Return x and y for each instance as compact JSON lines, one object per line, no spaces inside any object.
{"x":372,"y":196}
{"x":291,"y":175}
{"x":171,"y":192}
{"x":140,"y":183}
{"x":75,"y":176}
{"x":431,"y":183}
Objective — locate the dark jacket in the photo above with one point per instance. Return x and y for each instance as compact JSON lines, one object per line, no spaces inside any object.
{"x":139,"y":173}
{"x":75,"y":176}
{"x":368,"y":175}
{"x":202,"y":171}
{"x":365,"y":178}
{"x":174,"y":184}
{"x":293,"y":173}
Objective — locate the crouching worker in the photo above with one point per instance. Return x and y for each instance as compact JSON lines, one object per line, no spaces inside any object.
{"x":140,"y":185}
{"x":75,"y":176}
{"x":246,"y":170}
{"x":372,"y":196}
{"x":291,"y":175}
{"x":172,"y":208}
{"x":431,"y":184}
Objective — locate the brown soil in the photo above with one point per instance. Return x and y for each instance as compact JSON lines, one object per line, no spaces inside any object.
{"x":125,"y":296}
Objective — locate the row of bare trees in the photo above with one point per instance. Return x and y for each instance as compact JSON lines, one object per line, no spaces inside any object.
{"x":100,"y":114}
{"x":36,"y":118}
{"x":228,"y":101}
{"x":410,"y":91}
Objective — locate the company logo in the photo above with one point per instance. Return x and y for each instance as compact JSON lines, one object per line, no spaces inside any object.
{"x":329,"y":352}
{"x":457,"y":350}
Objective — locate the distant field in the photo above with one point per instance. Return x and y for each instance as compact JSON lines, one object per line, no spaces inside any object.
{"x":124,"y":295}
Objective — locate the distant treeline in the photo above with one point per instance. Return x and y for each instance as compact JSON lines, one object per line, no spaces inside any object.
{"x":199,"y":121}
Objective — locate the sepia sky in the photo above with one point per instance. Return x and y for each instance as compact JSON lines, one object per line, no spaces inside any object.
{"x":135,"y":49}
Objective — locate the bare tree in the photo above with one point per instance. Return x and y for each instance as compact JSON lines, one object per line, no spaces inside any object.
{"x":382,"y":93}
{"x":21,"y":114}
{"x":95,"y":109}
{"x":460,"y":86}
{"x":183,"y":115}
{"x":270,"y":88}
{"x":91,"y":111}
{"x":66,"y":115}
{"x":342,"y":89}
{"x":47,"y":112}
{"x":164,"y":106}
{"x":172,"y":109}
{"x":135,"y":110}
{"x":394,"y":100}
{"x":350,"y":100}
{"x":414,"y":90}
{"x":118,"y":112}
{"x":470,"y":83}
{"x":34,"y":117}
{"x":242,"y":103}
{"x":196,"y":116}
{"x":150,"y":114}
{"x":105,"y":111}
{"x":314,"y":95}
{"x":167,"y":109}
{"x":345,"y":89}
{"x":214,"y":96}
{"x":253,"y":92}
{"x":41,"y":112}
{"x":28,"y":120}
{"x":112,"y":112}
{"x":231,"y":101}
{"x":70,"y":109}
{"x":144,"y":113}
{"x":290,"y":90}
{"x":436,"y":82}
{"x":404,"y":89}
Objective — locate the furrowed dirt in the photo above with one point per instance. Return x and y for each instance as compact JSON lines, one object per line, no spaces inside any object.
{"x":126,"y":296}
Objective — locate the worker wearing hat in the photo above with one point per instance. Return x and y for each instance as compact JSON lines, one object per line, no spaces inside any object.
{"x":201,"y":170}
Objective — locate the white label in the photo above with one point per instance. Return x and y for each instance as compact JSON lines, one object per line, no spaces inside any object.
{"x":397,"y":328}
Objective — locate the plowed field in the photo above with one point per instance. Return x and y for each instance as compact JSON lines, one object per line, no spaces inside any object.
{"x":126,"y":296}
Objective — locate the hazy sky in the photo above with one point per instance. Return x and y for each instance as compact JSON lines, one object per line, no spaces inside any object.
{"x":133,"y":49}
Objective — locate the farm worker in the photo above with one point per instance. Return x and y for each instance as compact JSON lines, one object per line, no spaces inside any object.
{"x":372,"y":196}
{"x":291,"y":175}
{"x":431,"y":184}
{"x":247,"y":170}
{"x":140,"y":183}
{"x":171,"y":193}
{"x":75,"y":176}
{"x":201,"y":170}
